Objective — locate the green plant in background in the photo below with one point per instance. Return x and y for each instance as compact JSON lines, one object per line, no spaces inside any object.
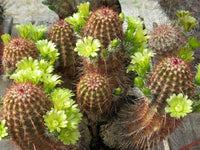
{"x":185,"y":20}
{"x":79,"y":19}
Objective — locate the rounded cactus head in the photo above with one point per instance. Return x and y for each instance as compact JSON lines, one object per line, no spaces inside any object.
{"x":15,"y":50}
{"x":166,"y":40}
{"x":62,"y":34}
{"x":24,"y":105}
{"x":171,"y":76}
{"x":93,"y":94}
{"x":104,"y":24}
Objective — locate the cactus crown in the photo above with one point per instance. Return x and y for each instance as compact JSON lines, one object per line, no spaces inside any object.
{"x":166,"y":40}
{"x":15,"y":50}
{"x":93,"y":93}
{"x":104,"y":24}
{"x":24,"y":104}
{"x":171,"y":76}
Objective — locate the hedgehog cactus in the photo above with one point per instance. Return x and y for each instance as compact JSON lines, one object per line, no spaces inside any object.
{"x":140,"y":126}
{"x":171,"y":75}
{"x":15,"y":50}
{"x":24,"y":105}
{"x":62,"y":34}
{"x":166,"y":40}
{"x":104,"y":24}
{"x":93,"y":94}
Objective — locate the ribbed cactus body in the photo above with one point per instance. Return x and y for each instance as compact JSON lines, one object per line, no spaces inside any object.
{"x":171,"y":76}
{"x":24,"y":105}
{"x":166,"y":40}
{"x":93,"y":94}
{"x":15,"y":50}
{"x":140,"y":127}
{"x":104,"y":24}
{"x":62,"y":34}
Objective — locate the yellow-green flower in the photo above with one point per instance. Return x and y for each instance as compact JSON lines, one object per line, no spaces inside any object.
{"x":55,"y":120}
{"x":88,"y":47}
{"x":179,"y":105}
{"x":3,"y":129}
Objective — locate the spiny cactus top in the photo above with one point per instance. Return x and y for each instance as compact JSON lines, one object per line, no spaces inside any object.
{"x":104,"y":24}
{"x":62,"y":34}
{"x":171,"y":75}
{"x":166,"y":40}
{"x":15,"y":50}
{"x":93,"y":93}
{"x":24,"y":105}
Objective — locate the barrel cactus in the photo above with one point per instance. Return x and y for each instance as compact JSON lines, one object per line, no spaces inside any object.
{"x":166,"y":40}
{"x":94,"y":94}
{"x":24,"y":105}
{"x":171,"y":75}
{"x":15,"y":50}
{"x":62,"y":34}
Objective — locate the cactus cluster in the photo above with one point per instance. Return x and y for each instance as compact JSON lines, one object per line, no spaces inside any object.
{"x":95,"y":53}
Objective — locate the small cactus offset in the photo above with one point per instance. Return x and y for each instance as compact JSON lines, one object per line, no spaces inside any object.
{"x":15,"y":50}
{"x":171,"y":75}
{"x":24,"y":105}
{"x":166,"y":40}
{"x":62,"y":34}
{"x":94,"y":94}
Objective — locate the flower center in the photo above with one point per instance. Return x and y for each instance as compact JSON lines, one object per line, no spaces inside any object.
{"x":88,"y":49}
{"x":178,"y":108}
{"x":55,"y":123}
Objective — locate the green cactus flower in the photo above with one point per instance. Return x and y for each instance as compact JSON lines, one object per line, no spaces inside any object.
{"x":140,"y":62}
{"x":61,"y":98}
{"x":179,"y":105}
{"x":48,"y":50}
{"x":3,"y":132}
{"x":36,"y":72}
{"x":69,"y":136}
{"x":79,"y":19}
{"x":31,"y":32}
{"x":88,"y":47}
{"x":55,"y":120}
{"x":197,"y":77}
{"x":6,"y":38}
